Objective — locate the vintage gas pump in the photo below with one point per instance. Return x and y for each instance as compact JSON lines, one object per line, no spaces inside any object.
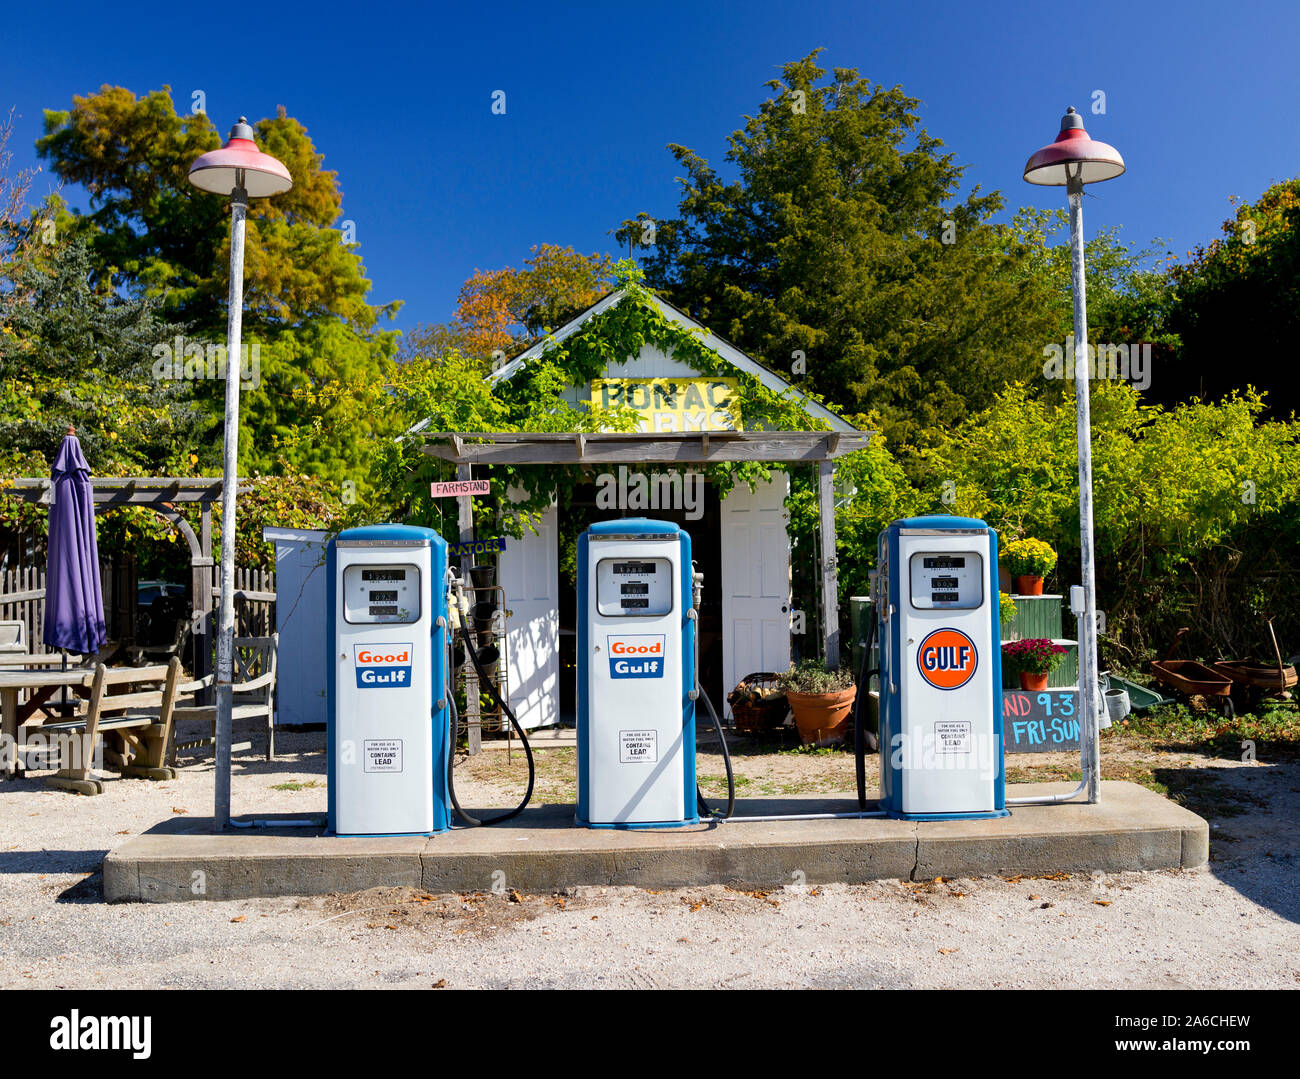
{"x":387,"y":710}
{"x":636,"y":676}
{"x":941,"y":750}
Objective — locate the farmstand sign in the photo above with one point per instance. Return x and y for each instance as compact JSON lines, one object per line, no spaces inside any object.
{"x":671,"y":404}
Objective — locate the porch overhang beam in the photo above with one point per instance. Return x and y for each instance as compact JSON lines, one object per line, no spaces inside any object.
{"x":712,"y":447}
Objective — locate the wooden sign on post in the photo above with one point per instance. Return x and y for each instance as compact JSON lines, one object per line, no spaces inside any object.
{"x":474,"y":547}
{"x":1040,"y":721}
{"x":456,"y":488}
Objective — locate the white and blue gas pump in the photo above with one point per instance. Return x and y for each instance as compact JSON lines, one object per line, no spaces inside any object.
{"x":636,"y":676}
{"x":938,"y":619}
{"x":387,"y":716}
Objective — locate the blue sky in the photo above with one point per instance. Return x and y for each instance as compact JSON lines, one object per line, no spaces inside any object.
{"x":1200,"y":99}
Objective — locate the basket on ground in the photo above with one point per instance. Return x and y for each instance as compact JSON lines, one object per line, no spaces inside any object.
{"x":758,"y":703}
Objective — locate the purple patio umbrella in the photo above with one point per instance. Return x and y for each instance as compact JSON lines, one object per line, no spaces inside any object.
{"x":74,"y":600}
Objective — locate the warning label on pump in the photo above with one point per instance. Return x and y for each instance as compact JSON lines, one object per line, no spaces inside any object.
{"x":382,"y":755}
{"x":638,"y":747}
{"x":952,"y":736}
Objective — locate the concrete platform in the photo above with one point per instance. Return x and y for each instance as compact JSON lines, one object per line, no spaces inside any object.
{"x":1131,"y":829}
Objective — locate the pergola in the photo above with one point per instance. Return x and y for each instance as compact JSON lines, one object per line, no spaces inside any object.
{"x":821,"y":448}
{"x":160,"y":495}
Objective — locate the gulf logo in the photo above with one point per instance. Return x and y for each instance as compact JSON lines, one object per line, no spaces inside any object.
{"x":947,"y":658}
{"x":637,"y":656}
{"x":383,"y":666}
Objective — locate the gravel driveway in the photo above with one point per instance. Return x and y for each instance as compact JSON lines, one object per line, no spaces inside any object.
{"x":1233,"y":924}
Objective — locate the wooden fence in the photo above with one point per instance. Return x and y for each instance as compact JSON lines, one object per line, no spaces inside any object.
{"x":22,"y":598}
{"x":254,"y":600}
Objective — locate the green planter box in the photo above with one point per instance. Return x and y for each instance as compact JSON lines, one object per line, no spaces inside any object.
{"x":1036,"y":616}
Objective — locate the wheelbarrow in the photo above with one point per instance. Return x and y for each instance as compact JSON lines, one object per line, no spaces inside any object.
{"x":1258,"y":679}
{"x":1193,"y":679}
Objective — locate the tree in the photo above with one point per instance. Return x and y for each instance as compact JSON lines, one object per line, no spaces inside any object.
{"x":306,"y":309}
{"x":843,"y":256}
{"x":71,"y":353}
{"x":1237,"y":307}
{"x":501,"y":312}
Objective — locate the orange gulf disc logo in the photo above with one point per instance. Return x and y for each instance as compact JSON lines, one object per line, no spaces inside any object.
{"x":947,"y":659}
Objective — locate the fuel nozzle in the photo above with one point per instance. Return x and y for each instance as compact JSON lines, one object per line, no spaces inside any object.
{"x":697,"y":586}
{"x":456,"y":600}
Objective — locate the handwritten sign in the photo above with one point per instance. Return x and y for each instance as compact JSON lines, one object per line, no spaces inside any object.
{"x":452,"y":488}
{"x":496,"y":543}
{"x":1040,"y":721}
{"x":668,"y":404}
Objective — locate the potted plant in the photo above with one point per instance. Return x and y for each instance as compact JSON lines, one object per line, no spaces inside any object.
{"x":1029,"y":561}
{"x":820,"y":699}
{"x":1033,"y":659}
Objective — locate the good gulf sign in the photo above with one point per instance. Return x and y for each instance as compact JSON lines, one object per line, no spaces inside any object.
{"x":382,"y":666}
{"x":638,"y":655}
{"x":947,"y":658}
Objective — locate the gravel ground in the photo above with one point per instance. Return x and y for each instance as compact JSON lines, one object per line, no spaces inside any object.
{"x":1233,"y":924}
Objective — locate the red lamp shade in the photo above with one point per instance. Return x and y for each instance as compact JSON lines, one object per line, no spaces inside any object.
{"x":1073,"y":154}
{"x":219,"y":171}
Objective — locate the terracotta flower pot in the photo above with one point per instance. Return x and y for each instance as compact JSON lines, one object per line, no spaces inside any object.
{"x":1029,"y":586}
{"x":822,"y":717}
{"x":1032,"y":681}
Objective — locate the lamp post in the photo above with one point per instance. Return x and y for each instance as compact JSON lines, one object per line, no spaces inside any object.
{"x":1071,"y":161}
{"x":241,"y":171}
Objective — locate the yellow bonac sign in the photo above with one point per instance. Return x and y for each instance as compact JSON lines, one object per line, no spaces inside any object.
{"x":672,"y":404}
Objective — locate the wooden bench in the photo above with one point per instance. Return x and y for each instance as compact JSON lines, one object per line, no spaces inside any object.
{"x":252,"y":655}
{"x":136,"y":726}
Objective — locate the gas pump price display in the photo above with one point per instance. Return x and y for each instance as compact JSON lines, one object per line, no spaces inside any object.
{"x":381,"y":594}
{"x":947,"y":581}
{"x":629,"y":588}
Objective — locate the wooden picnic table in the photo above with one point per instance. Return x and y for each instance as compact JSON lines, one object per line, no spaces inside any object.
{"x":40,"y":686}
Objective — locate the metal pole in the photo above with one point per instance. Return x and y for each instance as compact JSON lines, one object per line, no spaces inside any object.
{"x":230,"y":481}
{"x":1089,"y":731}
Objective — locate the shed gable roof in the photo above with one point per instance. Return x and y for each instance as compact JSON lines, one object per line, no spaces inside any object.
{"x":723,"y":349}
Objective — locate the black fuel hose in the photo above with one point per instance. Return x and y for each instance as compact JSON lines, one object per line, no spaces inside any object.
{"x":861,"y":736}
{"x":484,"y":680}
{"x":705,"y":810}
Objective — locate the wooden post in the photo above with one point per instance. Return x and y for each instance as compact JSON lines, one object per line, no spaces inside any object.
{"x":473,"y":728}
{"x":829,"y":582}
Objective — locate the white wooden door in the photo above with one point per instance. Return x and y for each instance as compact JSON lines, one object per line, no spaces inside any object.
{"x":755,"y":580}
{"x":529,"y":570}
